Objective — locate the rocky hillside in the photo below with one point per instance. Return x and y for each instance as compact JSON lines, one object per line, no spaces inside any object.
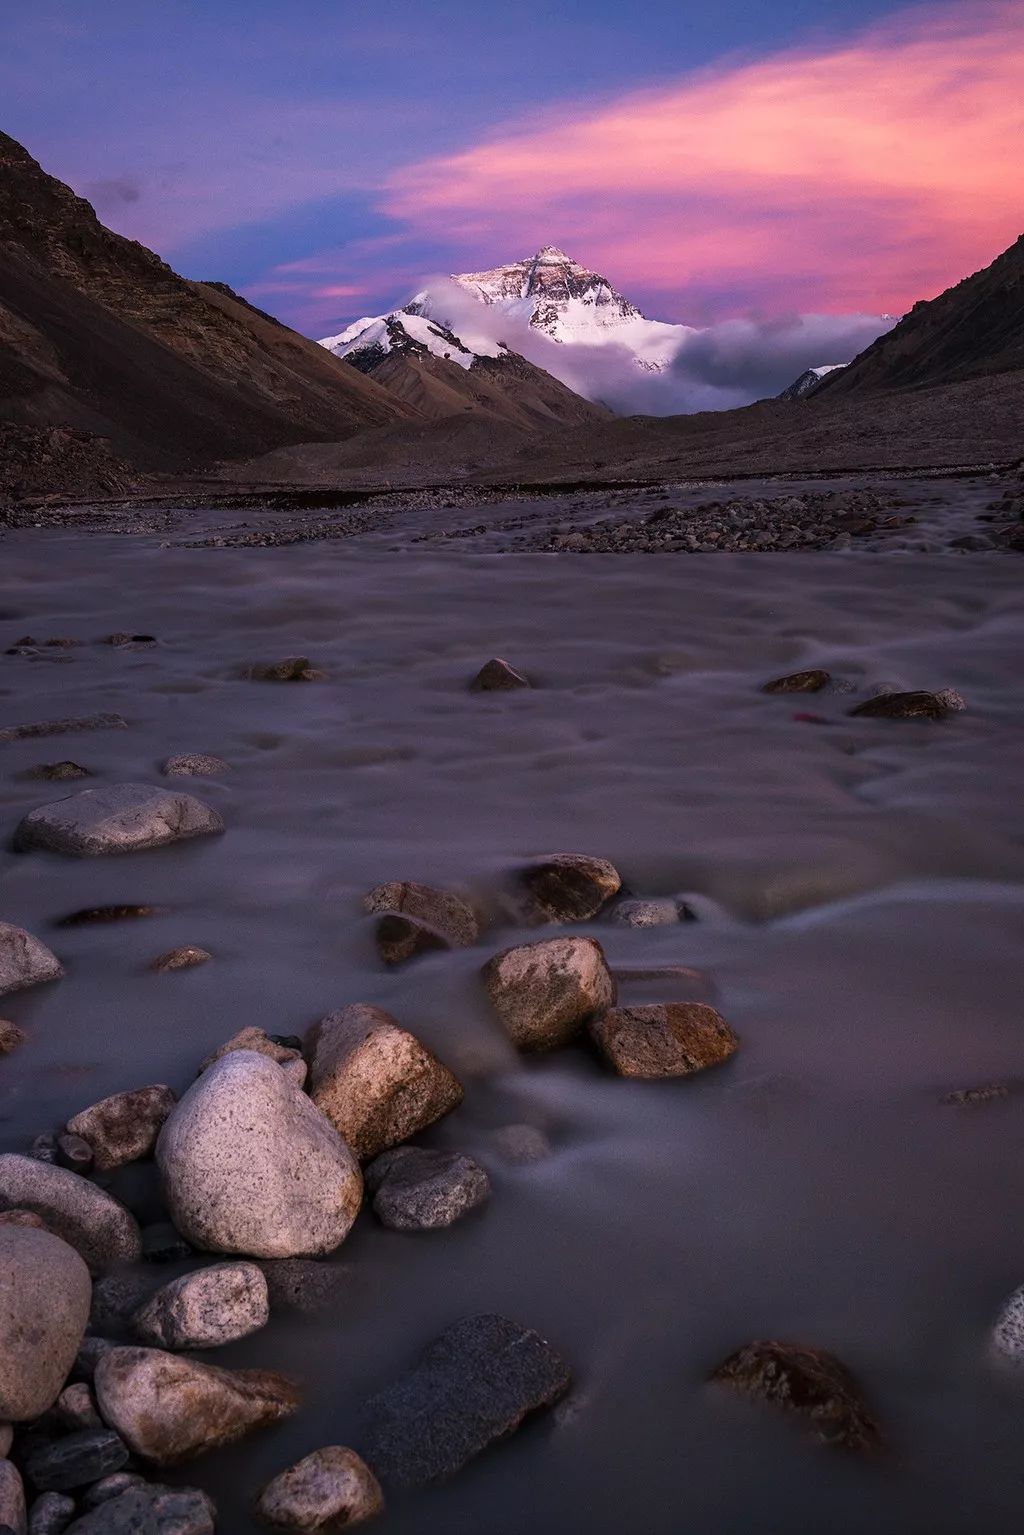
{"x":971,"y":331}
{"x":99,"y":335}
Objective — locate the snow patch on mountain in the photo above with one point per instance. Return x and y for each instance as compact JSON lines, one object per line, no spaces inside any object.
{"x":810,"y":379}
{"x":410,"y":330}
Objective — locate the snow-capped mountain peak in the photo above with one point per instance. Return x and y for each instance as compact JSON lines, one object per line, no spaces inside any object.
{"x":410,"y":330}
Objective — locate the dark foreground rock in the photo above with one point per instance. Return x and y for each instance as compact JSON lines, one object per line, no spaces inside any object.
{"x":903,"y":706}
{"x":474,"y":1384}
{"x":118,"y":818}
{"x":24,"y":961}
{"x":545,"y":992}
{"x":329,"y":1490}
{"x":569,"y":887}
{"x":150,"y":1510}
{"x":811,"y":681}
{"x":76,"y":1460}
{"x":663,"y":1039}
{"x":418,"y":1190}
{"x":808,"y":1382}
{"x":497,"y":676}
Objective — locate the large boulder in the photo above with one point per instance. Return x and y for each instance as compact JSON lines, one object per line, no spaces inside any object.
{"x":92,"y":1221}
{"x":418,"y":1190}
{"x":809,"y":1382}
{"x":329,"y":1490}
{"x":376,"y":1083}
{"x":414,"y":918}
{"x":117,"y":818}
{"x":124,"y":1127}
{"x":205,"y":1309}
{"x":569,"y":887}
{"x":45,"y":1293}
{"x":663,"y":1039}
{"x":249,"y":1165}
{"x":24,"y":961}
{"x":545,"y":992}
{"x":474,"y":1384}
{"x":168,"y":1408}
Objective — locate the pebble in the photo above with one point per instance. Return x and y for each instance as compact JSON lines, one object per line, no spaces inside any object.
{"x":808,"y":1382}
{"x":206,"y":1309}
{"x":186,"y":958}
{"x":663,"y":1039}
{"x":92,"y":1221}
{"x":118,"y":818}
{"x":45,"y":1293}
{"x":123,"y":1128}
{"x":75,"y":1460}
{"x":969,"y":1095}
{"x":569,"y":887}
{"x":59,"y":772}
{"x":24,"y":961}
{"x":544,"y":992}
{"x":76,"y":1407}
{"x":375,"y":1081}
{"x":498,"y":676}
{"x":417,"y":1190}
{"x":329,"y":1490}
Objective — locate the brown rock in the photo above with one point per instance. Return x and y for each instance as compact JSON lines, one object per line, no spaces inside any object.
{"x":806,"y":1381}
{"x":570,"y":887}
{"x":124,"y":1127}
{"x":169,"y":1409}
{"x":545,"y":992}
{"x":289,"y":1059}
{"x":811,"y":681}
{"x":179,"y":959}
{"x":329,"y":1490}
{"x":663,"y":1039}
{"x":903,"y":706}
{"x":10,"y":1036}
{"x":375,"y":1082}
{"x":415,"y":918}
{"x":497,"y":676}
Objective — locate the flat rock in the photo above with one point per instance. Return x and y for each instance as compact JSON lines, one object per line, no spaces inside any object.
{"x":498,"y":676}
{"x":418,"y":1190}
{"x":62,"y":727}
{"x":168,"y":1408}
{"x":124,"y":1127}
{"x":329,"y":1490}
{"x":474,"y":1384}
{"x":12,"y":1499}
{"x":24,"y":961}
{"x":150,"y":1510}
{"x":637,"y":913}
{"x":256,"y":1040}
{"x":92,"y":1221}
{"x":811,"y":681}
{"x":117,"y":818}
{"x":205,"y":1309}
{"x":249,"y":1165}
{"x":45,"y":1293}
{"x":663,"y":1039}
{"x":375,"y":1082}
{"x":76,"y":1460}
{"x":414,"y":918}
{"x":194,"y":765}
{"x":809,"y":1382}
{"x":186,"y":958}
{"x":545,"y":992}
{"x":569,"y":887}
{"x":903,"y":706}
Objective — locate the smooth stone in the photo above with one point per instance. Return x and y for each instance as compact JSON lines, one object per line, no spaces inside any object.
{"x":415,"y":918}
{"x":570,"y":887}
{"x":474,"y":1384}
{"x":76,"y":1460}
{"x":902,"y":706}
{"x":24,"y":961}
{"x":1008,"y":1331}
{"x":808,"y":1382}
{"x":249,"y":1165}
{"x":151,"y":1510}
{"x":194,"y":765}
{"x":308,"y":1286}
{"x":329,"y":1490}
{"x":117,"y":818}
{"x":287,"y":1057}
{"x":45,"y":1292}
{"x":497,"y":676}
{"x":76,"y":1408}
{"x":11,"y":1037}
{"x":375,"y":1081}
{"x":51,"y":1514}
{"x":663,"y":1039}
{"x":124,"y":1127}
{"x":544,"y":992}
{"x":74,"y":1153}
{"x":637,"y":913}
{"x":186,"y":958}
{"x":168,"y":1408}
{"x":92,"y":1221}
{"x":12,"y":1498}
{"x":811,"y":681}
{"x":205,"y":1309}
{"x":418,"y":1190}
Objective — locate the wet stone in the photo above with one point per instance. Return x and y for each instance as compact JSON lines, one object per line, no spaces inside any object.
{"x":666,"y":1039}
{"x":61,"y":727}
{"x":498,"y":676}
{"x":811,"y":681}
{"x":415,"y":918}
{"x":637,"y":913}
{"x":417,"y":1190}
{"x":124,"y":1127}
{"x":118,"y":818}
{"x":331,"y":1489}
{"x":187,"y":958}
{"x":808,"y":1382}
{"x":58,"y":772}
{"x":206,"y":1309}
{"x":474,"y":1384}
{"x":990,"y":1093}
{"x":545,"y":992}
{"x":293,"y":669}
{"x":569,"y":887}
{"x":76,"y":1408}
{"x":111,"y":1487}
{"x":150,"y":1509}
{"x":76,"y":1460}
{"x":902,"y":706}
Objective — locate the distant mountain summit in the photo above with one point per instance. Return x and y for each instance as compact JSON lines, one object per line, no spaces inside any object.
{"x":809,"y":381}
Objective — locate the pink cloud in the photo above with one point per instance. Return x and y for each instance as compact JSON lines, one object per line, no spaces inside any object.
{"x":861,"y":176}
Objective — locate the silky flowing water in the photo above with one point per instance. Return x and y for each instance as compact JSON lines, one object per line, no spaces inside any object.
{"x":859,"y":887}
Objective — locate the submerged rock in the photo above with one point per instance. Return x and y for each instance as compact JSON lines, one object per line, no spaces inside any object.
{"x":24,"y":961}
{"x":497,"y":676}
{"x":305,"y":1285}
{"x":194,"y":765}
{"x":474,"y":1384}
{"x":61,"y":727}
{"x":415,"y":918}
{"x":124,"y":1127}
{"x":375,"y":1082}
{"x":545,"y":992}
{"x":418,"y":1190}
{"x":990,"y":1093}
{"x":663,"y":1039}
{"x":186,"y":958}
{"x":205,"y":1309}
{"x":811,"y":681}
{"x":903,"y":706}
{"x":168,"y":1408}
{"x":88,"y":916}
{"x":90,"y":1220}
{"x":45,"y":1292}
{"x":256,"y":1040}
{"x":118,"y":818}
{"x":809,"y":1382}
{"x":294,"y":669}
{"x":59,"y":772}
{"x":150,"y":1509}
{"x":329,"y":1490}
{"x":249,"y":1165}
{"x":569,"y":887}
